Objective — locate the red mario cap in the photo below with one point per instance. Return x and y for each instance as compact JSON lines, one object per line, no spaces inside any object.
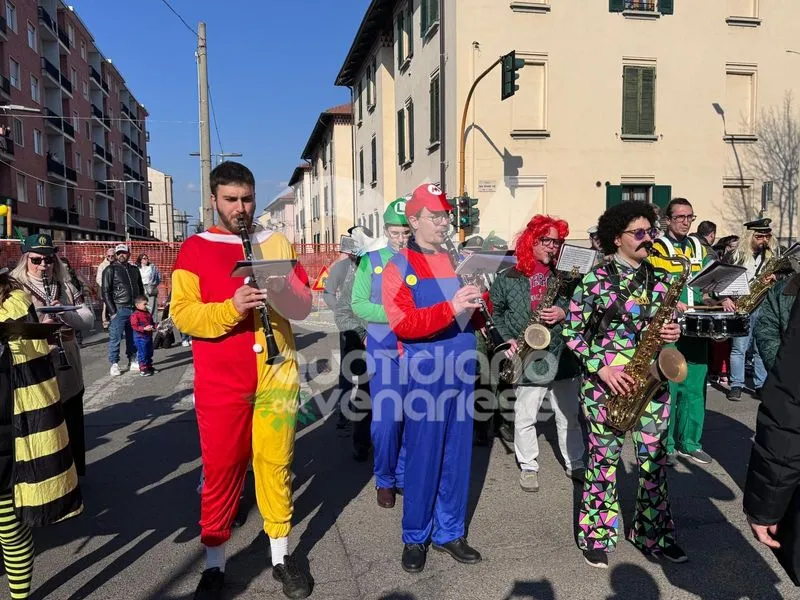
{"x":427,"y":196}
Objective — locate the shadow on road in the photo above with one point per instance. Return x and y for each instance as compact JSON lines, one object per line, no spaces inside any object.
{"x":532,"y":590}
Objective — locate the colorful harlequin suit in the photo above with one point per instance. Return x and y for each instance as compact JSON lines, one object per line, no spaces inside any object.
{"x":383,"y":356}
{"x":652,"y":527}
{"x":417,"y":287}
{"x":244,"y":406}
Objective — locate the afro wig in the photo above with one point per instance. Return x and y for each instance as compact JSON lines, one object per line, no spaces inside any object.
{"x":616,"y":220}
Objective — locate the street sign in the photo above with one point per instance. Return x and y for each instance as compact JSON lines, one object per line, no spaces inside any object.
{"x":319,"y":284}
{"x":487,"y":186}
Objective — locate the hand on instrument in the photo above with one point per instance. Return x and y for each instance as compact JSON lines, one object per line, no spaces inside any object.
{"x":467,"y":298}
{"x":729,"y":305}
{"x":553,"y":315}
{"x":670,"y":333}
{"x":771,"y":279}
{"x":681,"y":306}
{"x":512,"y":350}
{"x":616,"y":379}
{"x":247,"y":298}
{"x":766,"y":534}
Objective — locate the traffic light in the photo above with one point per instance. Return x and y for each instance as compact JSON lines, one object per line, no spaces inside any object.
{"x":468,"y":213}
{"x":510,"y":67}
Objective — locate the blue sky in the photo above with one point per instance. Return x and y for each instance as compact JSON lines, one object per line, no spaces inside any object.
{"x":271,"y":68}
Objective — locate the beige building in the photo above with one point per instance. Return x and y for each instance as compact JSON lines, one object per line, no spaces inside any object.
{"x":279,"y":215}
{"x":618,"y":99}
{"x":300,"y":182}
{"x":162,"y":210}
{"x":329,"y":151}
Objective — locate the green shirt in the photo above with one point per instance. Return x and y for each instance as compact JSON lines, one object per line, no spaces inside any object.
{"x":362,"y":289}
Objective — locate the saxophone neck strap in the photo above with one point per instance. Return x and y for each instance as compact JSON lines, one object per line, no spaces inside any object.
{"x":601,"y":320}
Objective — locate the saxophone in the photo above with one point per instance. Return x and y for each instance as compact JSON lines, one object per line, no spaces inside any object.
{"x":651,"y":365}
{"x":534,"y":336}
{"x":761,"y":285}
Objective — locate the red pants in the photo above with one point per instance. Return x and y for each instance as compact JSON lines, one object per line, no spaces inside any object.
{"x":720,"y":358}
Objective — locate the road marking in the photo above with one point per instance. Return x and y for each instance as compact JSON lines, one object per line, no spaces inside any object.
{"x":103,"y":389}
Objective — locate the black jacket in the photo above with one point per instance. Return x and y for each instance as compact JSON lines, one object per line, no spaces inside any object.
{"x":122,"y":282}
{"x":772,"y":493}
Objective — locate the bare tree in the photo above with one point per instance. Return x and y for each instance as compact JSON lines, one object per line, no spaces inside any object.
{"x":776,"y":157}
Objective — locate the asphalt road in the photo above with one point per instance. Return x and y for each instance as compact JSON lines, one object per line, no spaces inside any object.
{"x":138,"y":536}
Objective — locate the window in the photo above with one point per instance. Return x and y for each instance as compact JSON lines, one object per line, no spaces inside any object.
{"x":405,"y":39}
{"x":664,"y":7}
{"x":361,"y":169}
{"x":11,"y":16}
{"x":88,"y":129}
{"x":75,"y":121}
{"x":35,"y":89}
{"x":85,"y":85}
{"x":73,"y":78}
{"x":529,"y":103}
{"x":360,"y":103}
{"x":13,"y":73}
{"x":740,"y":99}
{"x":40,"y":198}
{"x":32,"y":38}
{"x":743,"y":13}
{"x":78,"y":162}
{"x":371,"y":85}
{"x":434,"y":108}
{"x":71,"y":35}
{"x":325,"y":155}
{"x":405,"y":134}
{"x":89,"y":166}
{"x":22,"y":188}
{"x":640,"y":193}
{"x":429,"y":15}
{"x":19,"y":135}
{"x":37,"y":141}
{"x":638,"y":100}
{"x":374,"y":150}
{"x":79,"y":205}
{"x":91,"y":207}
{"x":326,"y":199}
{"x":83,"y":49}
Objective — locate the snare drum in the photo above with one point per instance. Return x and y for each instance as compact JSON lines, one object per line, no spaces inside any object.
{"x":715,"y":325}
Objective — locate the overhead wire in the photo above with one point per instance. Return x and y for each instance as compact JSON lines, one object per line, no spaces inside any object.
{"x":177,"y":14}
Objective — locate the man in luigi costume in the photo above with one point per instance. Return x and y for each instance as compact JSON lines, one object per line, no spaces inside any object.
{"x":383,"y":357}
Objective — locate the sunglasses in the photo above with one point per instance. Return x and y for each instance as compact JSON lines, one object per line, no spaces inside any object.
{"x":763,"y":236}
{"x":639,"y":234}
{"x":37,"y":260}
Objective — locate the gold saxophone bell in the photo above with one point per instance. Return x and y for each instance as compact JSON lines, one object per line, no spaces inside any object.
{"x":672,"y":365}
{"x":537,"y":336}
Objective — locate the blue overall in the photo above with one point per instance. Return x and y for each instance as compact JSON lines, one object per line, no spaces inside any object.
{"x":438,"y":424}
{"x":383,"y":360}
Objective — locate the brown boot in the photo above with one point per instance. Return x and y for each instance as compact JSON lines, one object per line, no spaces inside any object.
{"x":385,"y":497}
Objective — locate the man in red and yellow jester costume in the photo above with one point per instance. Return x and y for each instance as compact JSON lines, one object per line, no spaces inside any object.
{"x":245,"y":407}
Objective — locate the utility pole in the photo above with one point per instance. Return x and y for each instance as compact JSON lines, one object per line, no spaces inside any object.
{"x":205,"y":133}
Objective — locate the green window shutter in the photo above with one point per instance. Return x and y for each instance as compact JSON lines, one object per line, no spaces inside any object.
{"x":434,"y":100}
{"x":647,"y":104}
{"x":616,"y":5}
{"x":361,"y":168}
{"x":400,"y":32}
{"x":401,"y":136}
{"x":410,"y":28}
{"x":666,"y":7}
{"x":360,"y":100}
{"x":434,"y":14}
{"x":613,"y":195}
{"x":662,"y":194}
{"x":410,"y":109}
{"x":631,"y":78}
{"x":423,"y":14}
{"x":374,"y":160}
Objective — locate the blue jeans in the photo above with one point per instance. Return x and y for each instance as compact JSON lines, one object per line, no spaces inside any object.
{"x":144,"y":350}
{"x":739,"y":348}
{"x":120,"y":325}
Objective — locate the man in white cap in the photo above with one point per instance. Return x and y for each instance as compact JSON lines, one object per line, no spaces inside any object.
{"x":121,"y":284}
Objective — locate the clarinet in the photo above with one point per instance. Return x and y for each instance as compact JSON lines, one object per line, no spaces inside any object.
{"x":274,"y":355}
{"x":496,"y":342}
{"x":63,"y":362}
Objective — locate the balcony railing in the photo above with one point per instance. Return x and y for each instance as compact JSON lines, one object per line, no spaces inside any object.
{"x":126,"y":139}
{"x":66,"y":84}
{"x":102,"y":224}
{"x":74,"y":218}
{"x":70,"y":174}
{"x":130,"y":200}
{"x":52,"y":118}
{"x":99,"y":151}
{"x":139,"y":231}
{"x":96,"y":112}
{"x":45,"y":18}
{"x":51,"y":69}
{"x":103,"y":187}
{"x":127,"y":170}
{"x":641,"y":5}
{"x":112,"y":226}
{"x":125,"y":110}
{"x":59,"y":215}
{"x":69,"y":129}
{"x":5,"y":85}
{"x":6,"y":145}
{"x":3,"y":27}
{"x":95,"y":75}
{"x":53,"y":166}
{"x":109,"y":157}
{"x":63,"y":37}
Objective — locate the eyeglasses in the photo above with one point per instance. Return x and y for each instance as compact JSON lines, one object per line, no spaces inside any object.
{"x":37,"y":260}
{"x":548,"y":241}
{"x":639,"y":234}
{"x":684,"y":218}
{"x":398,"y":234}
{"x":437,"y":219}
{"x":762,"y":236}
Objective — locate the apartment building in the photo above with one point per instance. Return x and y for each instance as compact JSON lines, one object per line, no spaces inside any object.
{"x":161,"y":205}
{"x":279,"y":215}
{"x":329,"y":151}
{"x":76,"y":129}
{"x":618,"y":99}
{"x":300,"y":182}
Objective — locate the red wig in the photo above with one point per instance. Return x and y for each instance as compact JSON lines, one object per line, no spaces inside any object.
{"x":526,"y":239}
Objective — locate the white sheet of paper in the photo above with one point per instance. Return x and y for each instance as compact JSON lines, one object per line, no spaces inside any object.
{"x":485,"y":262}
{"x":737,"y":287}
{"x":576,"y":256}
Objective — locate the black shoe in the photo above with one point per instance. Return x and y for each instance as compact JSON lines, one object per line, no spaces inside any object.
{"x":506,"y":432}
{"x":735,"y":394}
{"x":414,"y":556}
{"x":296,"y":583}
{"x":241,"y":517}
{"x":210,"y":586}
{"x":596,"y":558}
{"x":460,"y":550}
{"x":398,"y":491}
{"x":757,"y":393}
{"x":360,"y":454}
{"x":674,"y":553}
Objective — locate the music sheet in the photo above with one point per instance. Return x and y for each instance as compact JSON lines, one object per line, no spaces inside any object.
{"x":576,"y":256}
{"x":726,"y":280}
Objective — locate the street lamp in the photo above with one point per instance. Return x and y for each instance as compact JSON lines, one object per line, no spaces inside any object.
{"x":220,"y":155}
{"x":125,"y":183}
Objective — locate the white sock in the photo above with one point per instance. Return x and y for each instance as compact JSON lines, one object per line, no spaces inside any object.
{"x":279,"y":547}
{"x":215,"y":557}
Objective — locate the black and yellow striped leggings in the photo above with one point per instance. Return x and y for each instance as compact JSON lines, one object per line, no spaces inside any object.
{"x":16,"y":541}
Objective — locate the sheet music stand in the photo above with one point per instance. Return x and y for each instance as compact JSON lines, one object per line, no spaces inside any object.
{"x":27,"y":331}
{"x":716,"y":277}
{"x":262,"y":270}
{"x":484,"y":263}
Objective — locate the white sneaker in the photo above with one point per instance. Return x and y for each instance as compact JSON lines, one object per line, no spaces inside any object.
{"x":134,"y":366}
{"x":185,"y":343}
{"x":114,"y":370}
{"x":529,"y":481}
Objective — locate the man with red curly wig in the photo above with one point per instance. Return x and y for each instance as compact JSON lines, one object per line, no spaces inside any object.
{"x":516,"y":294}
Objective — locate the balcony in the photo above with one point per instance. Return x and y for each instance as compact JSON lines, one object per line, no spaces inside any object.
{"x":48,"y":22}
{"x":54,"y":167}
{"x":68,"y":128}
{"x":126,"y":140}
{"x":112,"y":226}
{"x":109,"y":157}
{"x":71,"y":174}
{"x":100,"y":152}
{"x":3,"y":29}
{"x":59,"y":215}
{"x":52,"y":72}
{"x":5,"y":87}
{"x":7,"y":147}
{"x":102,"y":224}
{"x":103,"y":188}
{"x":130,"y":200}
{"x":66,"y":84}
{"x":139,"y":232}
{"x":63,"y":37}
{"x":125,"y":110}
{"x":127,"y":170}
{"x":52,"y":119}
{"x":97,"y":80}
{"x":74,"y":218}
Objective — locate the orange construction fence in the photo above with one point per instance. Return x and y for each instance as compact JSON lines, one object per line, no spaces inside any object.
{"x":85,"y":257}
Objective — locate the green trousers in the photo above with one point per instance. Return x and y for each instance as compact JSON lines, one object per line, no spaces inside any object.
{"x":688,"y":398}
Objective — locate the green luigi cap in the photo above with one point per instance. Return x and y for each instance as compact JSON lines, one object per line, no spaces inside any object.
{"x":494,"y":242}
{"x":395,"y":213}
{"x":40,"y":243}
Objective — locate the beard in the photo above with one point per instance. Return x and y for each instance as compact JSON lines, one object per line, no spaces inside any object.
{"x":231,"y":222}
